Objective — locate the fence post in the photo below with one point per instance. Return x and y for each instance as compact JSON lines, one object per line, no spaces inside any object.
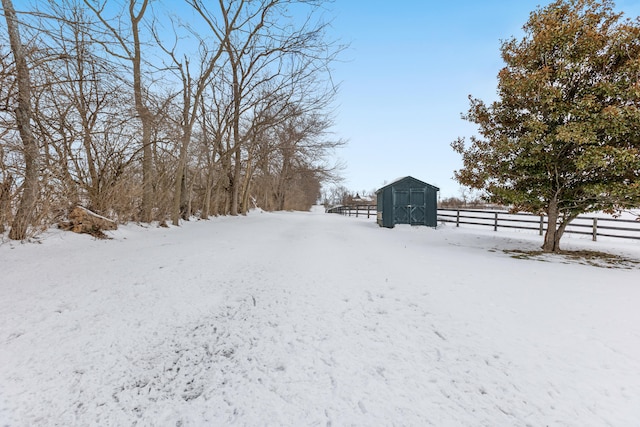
{"x":495,"y":222}
{"x":357,"y":210}
{"x":368,"y":210}
{"x":457,"y":217}
{"x":595,"y":229}
{"x":541,"y":225}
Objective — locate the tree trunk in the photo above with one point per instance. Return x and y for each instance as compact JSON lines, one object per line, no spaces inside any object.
{"x":185,"y":198}
{"x":209,"y":186}
{"x":5,"y":201}
{"x":147,"y":168}
{"x":246,"y":190}
{"x":25,"y":214}
{"x":208,"y":193}
{"x":179,"y":196}
{"x":554,"y":231}
{"x":177,"y":211}
{"x":146,"y":118}
{"x":235,"y":182}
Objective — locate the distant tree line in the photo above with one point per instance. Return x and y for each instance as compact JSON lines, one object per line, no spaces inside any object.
{"x":340,"y":195}
{"x":140,"y":114}
{"x":460,"y":203}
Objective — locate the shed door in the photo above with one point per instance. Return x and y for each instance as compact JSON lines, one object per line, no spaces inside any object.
{"x":401,"y":207}
{"x":417,"y":206}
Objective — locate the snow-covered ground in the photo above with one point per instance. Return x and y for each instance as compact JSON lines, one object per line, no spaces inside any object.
{"x":315,"y":319}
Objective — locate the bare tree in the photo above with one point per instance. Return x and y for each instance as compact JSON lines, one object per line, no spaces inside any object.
{"x":214,"y":131}
{"x":262,"y":50}
{"x":80,"y":112}
{"x":7,"y":123}
{"x":24,"y":215}
{"x":131,"y":51}
{"x":245,"y":114}
{"x":297,"y":166}
{"x":192,"y":91}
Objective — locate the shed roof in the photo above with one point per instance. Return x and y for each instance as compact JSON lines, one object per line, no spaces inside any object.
{"x":397,"y":180}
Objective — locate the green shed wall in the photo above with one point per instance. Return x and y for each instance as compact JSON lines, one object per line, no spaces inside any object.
{"x":407,"y":201}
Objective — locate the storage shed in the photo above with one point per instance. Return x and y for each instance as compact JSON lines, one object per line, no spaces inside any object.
{"x":407,"y":201}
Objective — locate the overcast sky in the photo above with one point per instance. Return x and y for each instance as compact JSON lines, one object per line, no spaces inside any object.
{"x":406,"y":77}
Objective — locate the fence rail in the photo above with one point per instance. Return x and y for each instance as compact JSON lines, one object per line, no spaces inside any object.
{"x":355,"y":210}
{"x":585,"y":225}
